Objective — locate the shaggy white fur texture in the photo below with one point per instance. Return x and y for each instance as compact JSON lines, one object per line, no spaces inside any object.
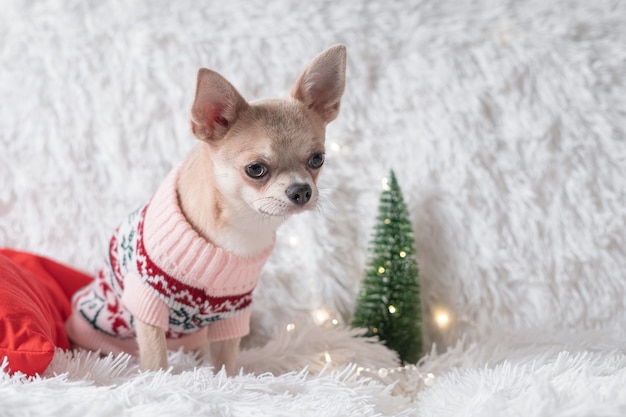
{"x":505,"y":123}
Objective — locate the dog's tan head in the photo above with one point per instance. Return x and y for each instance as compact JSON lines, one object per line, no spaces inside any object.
{"x":267,"y":154}
{"x":258,"y":162}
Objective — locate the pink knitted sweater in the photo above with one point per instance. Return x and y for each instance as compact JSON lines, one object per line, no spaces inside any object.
{"x":160,"y":271}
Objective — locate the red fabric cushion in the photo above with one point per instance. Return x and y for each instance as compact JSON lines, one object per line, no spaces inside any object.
{"x":35,"y":295}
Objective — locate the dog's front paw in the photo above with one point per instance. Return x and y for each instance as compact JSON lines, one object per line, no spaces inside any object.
{"x":152,"y":347}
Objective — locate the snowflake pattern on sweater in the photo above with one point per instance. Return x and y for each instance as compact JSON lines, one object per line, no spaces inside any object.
{"x":190,"y":308}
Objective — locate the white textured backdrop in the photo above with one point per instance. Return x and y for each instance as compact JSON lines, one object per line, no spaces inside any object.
{"x":504,"y":121}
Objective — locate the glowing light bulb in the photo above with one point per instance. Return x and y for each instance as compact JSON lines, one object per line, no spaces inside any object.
{"x":387,"y":221}
{"x":293,"y":241}
{"x":335,"y":147}
{"x":291,"y":327}
{"x":385,"y":182}
{"x":442,"y":318}
{"x":402,"y":254}
{"x":320,"y":316}
{"x":392,"y":309}
{"x":429,"y":379}
{"x":327,"y":357}
{"x":381,"y":270}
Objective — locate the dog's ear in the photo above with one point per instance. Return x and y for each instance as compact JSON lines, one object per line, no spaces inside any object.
{"x":216,"y":106}
{"x":321,"y":84}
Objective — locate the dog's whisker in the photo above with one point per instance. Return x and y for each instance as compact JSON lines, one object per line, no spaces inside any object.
{"x":323,"y":204}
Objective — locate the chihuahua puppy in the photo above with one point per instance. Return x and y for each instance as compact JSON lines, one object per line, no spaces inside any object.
{"x":181,"y":270}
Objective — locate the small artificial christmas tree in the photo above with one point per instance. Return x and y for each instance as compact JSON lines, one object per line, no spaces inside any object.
{"x":388,"y":305}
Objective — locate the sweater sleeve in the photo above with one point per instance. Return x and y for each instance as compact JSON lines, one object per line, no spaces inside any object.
{"x":143,"y":302}
{"x":230,"y":328}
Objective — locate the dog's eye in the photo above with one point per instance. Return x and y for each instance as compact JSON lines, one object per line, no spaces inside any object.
{"x":316,"y":161}
{"x":256,"y":170}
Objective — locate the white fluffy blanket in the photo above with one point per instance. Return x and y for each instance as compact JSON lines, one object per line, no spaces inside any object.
{"x":505,"y":123}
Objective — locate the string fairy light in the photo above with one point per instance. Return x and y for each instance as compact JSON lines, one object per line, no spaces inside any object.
{"x":323,"y":317}
{"x":427,"y":378}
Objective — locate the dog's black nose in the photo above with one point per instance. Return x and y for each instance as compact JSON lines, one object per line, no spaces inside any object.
{"x":300,"y":194}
